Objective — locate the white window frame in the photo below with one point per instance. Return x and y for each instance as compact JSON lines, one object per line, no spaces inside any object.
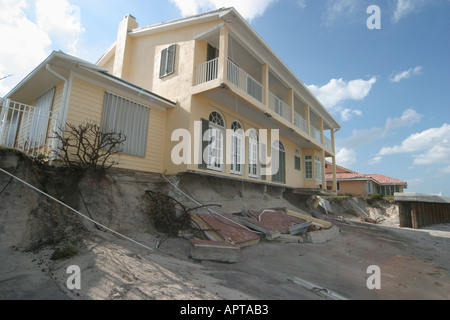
{"x":216,"y":146}
{"x":308,"y":167}
{"x":237,"y":149}
{"x":318,"y":167}
{"x":253,"y":152}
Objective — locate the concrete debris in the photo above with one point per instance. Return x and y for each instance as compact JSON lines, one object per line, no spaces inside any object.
{"x":228,"y":233}
{"x":207,"y":250}
{"x":287,"y":238}
{"x":322,"y":236}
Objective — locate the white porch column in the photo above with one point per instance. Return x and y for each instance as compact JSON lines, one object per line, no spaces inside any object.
{"x":223,"y":54}
{"x":308,"y":120}
{"x":335,"y":189}
{"x":291,"y":103}
{"x":265,"y":84}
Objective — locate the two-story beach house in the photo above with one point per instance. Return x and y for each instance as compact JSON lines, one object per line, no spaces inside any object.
{"x":210,"y":79}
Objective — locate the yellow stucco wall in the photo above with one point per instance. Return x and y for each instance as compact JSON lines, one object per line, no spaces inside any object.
{"x":352,"y":187}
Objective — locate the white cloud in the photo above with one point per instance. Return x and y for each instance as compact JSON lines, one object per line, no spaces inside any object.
{"x":25,"y":43}
{"x":406,"y":7}
{"x":338,"y":90}
{"x":61,"y":20}
{"x":408,"y":118}
{"x":421,"y":141}
{"x":431,"y":146}
{"x":340,"y":9}
{"x":346,"y":157}
{"x":347,"y":114}
{"x":249,"y":9}
{"x":406,"y":74}
{"x":301,"y":4}
{"x":361,"y":137}
{"x":375,"y":160}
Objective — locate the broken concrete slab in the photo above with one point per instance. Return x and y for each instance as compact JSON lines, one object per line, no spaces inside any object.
{"x":207,"y":250}
{"x":287,"y":238}
{"x":225,"y":227}
{"x":255,"y":225}
{"x":321,"y":223}
{"x":300,"y":228}
{"x":322,"y":236}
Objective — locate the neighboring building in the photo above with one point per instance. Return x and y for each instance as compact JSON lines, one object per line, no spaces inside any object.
{"x":358,"y":184}
{"x":215,"y":73}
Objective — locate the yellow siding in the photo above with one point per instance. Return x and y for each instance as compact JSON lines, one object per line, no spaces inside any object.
{"x":86,"y":105}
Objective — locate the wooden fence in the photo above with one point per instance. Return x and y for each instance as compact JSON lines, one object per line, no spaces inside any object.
{"x":418,"y":210}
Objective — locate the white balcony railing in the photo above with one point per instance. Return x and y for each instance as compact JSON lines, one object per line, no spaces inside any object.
{"x":206,"y":72}
{"x":280,"y":108}
{"x":315,"y":133}
{"x":27,"y":128}
{"x":300,"y":122}
{"x":327,"y":144}
{"x":244,"y":81}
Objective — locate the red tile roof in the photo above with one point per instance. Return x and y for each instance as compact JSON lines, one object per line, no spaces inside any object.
{"x":384,"y":180}
{"x":347,"y":174}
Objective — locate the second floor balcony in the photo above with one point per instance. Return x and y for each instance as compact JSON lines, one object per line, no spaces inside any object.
{"x":230,"y":63}
{"x":209,"y":71}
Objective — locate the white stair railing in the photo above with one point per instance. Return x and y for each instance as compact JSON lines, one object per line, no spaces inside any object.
{"x":27,"y":128}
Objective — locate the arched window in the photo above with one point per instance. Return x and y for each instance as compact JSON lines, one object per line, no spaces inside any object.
{"x":277,"y":144}
{"x":216,"y":147}
{"x":216,"y":118}
{"x":278,"y":162}
{"x":297,"y":161}
{"x":253,"y":154}
{"x":237,"y":149}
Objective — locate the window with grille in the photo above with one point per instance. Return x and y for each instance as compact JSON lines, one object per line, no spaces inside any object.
{"x":216,"y":147}
{"x":318,"y":168}
{"x":308,"y":167}
{"x":279,"y":176}
{"x":253,"y":169}
{"x":237,"y":148}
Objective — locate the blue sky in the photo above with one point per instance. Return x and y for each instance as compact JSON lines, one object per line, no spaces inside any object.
{"x":389,"y":88}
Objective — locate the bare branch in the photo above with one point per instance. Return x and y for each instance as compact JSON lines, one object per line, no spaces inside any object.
{"x":87,"y":146}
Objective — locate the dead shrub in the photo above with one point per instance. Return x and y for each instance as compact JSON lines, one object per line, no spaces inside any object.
{"x":88,"y":146}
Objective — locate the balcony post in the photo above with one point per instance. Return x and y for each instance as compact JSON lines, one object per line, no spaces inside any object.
{"x":292,"y":103}
{"x":322,"y":140}
{"x":265,"y":84}
{"x":324,"y":179}
{"x":332,"y":141}
{"x":223,"y":55}
{"x":334,"y":175}
{"x":308,"y":120}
